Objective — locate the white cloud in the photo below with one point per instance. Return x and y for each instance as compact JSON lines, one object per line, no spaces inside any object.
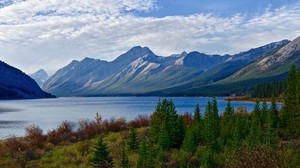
{"x":50,"y":33}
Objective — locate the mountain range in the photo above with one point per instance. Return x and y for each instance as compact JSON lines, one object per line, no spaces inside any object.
{"x":141,"y":72}
{"x":15,"y":84}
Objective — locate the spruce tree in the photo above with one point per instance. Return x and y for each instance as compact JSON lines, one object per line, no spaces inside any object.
{"x":291,"y":107}
{"x":227,"y":124}
{"x":264,"y":113}
{"x":164,"y":141}
{"x":165,"y":115}
{"x":197,"y":114}
{"x":255,"y":136}
{"x":124,"y":162}
{"x":189,"y":143}
{"x":211,"y":124}
{"x":142,"y":158}
{"x":132,"y":139}
{"x":101,"y":157}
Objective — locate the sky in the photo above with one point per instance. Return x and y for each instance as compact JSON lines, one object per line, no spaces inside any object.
{"x":49,"y":34}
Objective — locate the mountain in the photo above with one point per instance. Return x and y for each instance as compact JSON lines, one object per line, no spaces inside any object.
{"x":15,"y":84}
{"x":235,"y":63}
{"x":40,"y":77}
{"x":141,"y":72}
{"x":137,"y":71}
{"x":273,"y":65}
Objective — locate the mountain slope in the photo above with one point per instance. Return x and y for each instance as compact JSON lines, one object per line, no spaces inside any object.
{"x":272,"y":64}
{"x":40,"y":77}
{"x":15,"y":84}
{"x":137,"y":71}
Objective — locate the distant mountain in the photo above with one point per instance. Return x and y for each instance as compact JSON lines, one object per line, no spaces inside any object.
{"x":15,"y":84}
{"x":272,"y":65}
{"x":40,"y":77}
{"x":235,"y":63}
{"x":137,"y":71}
{"x":141,"y":72}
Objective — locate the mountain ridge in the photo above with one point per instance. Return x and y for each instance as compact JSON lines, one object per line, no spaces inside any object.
{"x":139,"y":71}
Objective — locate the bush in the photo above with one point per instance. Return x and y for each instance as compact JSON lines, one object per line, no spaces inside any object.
{"x":34,"y":135}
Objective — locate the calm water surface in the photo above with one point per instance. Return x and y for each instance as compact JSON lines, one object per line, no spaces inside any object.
{"x":15,"y":115}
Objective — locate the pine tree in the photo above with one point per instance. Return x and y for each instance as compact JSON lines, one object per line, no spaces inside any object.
{"x":255,"y":136}
{"x":101,"y":157}
{"x":197,"y":114}
{"x":164,"y":141}
{"x":142,"y":158}
{"x":264,"y":113}
{"x":211,"y":124}
{"x":132,"y":139}
{"x":227,"y":124}
{"x":124,"y":162}
{"x":189,"y":143}
{"x":291,"y":107}
{"x":165,"y":115}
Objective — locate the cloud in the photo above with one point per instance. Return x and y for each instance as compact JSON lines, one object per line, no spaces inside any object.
{"x":49,"y":34}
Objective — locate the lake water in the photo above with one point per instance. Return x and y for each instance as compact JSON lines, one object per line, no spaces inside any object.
{"x":15,"y":115}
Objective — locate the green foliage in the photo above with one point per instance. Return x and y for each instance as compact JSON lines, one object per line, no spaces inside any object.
{"x":189,"y":143}
{"x":291,"y":106}
{"x":167,"y":124}
{"x":266,"y":90}
{"x":197,"y":114}
{"x":211,"y":124}
{"x":132,"y":139}
{"x":101,"y":157}
{"x":142,"y":159}
{"x":124,"y":162}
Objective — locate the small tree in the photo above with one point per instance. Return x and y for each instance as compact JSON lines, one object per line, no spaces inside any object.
{"x":189,"y":143}
{"x":132,"y":139}
{"x":124,"y":162}
{"x":101,"y":157}
{"x":142,"y":159}
{"x":197,"y":114}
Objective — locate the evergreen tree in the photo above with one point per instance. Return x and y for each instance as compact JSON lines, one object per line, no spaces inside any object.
{"x":197,"y":114}
{"x":132,"y":139}
{"x":264,"y":113}
{"x":164,"y":141}
{"x":291,"y":107}
{"x":142,"y":158}
{"x":227,"y":124}
{"x":165,"y":115}
{"x":101,"y":157}
{"x":255,"y":136}
{"x":211,"y":124}
{"x":189,"y":143}
{"x":124,"y":162}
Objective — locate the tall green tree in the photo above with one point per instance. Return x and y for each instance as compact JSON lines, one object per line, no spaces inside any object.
{"x":165,"y":118}
{"x":227,"y":124}
{"x":211,"y":124}
{"x":124,"y":161}
{"x":256,"y":134}
{"x":132,"y":139}
{"x":142,"y":158}
{"x":101,"y":156}
{"x":197,"y":114}
{"x":264,"y":113}
{"x":291,"y":106}
{"x":164,"y":141}
{"x":189,"y":143}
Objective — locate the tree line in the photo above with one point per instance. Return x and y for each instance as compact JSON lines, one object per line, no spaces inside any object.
{"x":235,"y":138}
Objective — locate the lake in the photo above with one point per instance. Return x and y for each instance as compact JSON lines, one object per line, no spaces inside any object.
{"x":15,"y":115}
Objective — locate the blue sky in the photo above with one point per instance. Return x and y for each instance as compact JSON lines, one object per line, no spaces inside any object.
{"x":223,"y":8}
{"x":49,"y":34}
